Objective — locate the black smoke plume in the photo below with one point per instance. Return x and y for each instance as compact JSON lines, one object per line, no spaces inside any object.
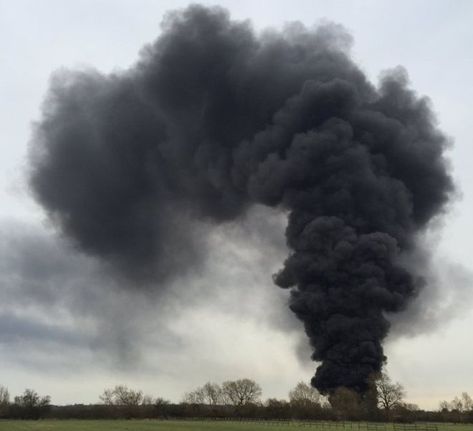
{"x":213,"y":119}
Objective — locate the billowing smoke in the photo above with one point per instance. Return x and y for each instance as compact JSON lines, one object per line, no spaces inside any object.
{"x":213,"y":119}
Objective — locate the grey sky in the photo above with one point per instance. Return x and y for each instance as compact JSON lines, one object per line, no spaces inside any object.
{"x":53,"y":339}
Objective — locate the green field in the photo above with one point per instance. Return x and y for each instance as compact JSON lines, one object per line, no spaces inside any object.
{"x":154,"y":425}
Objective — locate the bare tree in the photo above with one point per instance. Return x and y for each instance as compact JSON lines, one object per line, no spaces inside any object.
{"x":213,"y":393}
{"x":121,"y":395}
{"x":107,"y":397}
{"x":4,"y":400}
{"x":467,"y":402}
{"x":4,"y":396}
{"x":390,"y":394}
{"x":444,"y":406}
{"x":210,"y":394}
{"x":241,"y":392}
{"x":457,"y":404}
{"x":30,"y":405}
{"x":197,"y":396}
{"x":31,"y":398}
{"x":304,"y":394}
{"x":462,"y":404}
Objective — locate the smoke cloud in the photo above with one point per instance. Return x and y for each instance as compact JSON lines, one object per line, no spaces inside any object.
{"x":214,"y":119}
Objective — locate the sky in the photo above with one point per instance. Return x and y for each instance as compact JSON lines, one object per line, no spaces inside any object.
{"x":68,"y":330}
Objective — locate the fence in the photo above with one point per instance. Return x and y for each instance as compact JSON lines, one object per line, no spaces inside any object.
{"x":338,"y":425}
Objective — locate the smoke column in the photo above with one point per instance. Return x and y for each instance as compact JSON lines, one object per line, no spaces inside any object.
{"x":213,"y":119}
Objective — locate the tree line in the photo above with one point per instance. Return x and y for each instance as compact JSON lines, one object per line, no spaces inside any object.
{"x":458,"y":409}
{"x":29,"y":405}
{"x":242,"y":398}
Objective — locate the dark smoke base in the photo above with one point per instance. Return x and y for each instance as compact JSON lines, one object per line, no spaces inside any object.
{"x":214,"y":119}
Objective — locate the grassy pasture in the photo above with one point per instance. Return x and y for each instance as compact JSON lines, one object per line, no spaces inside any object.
{"x":154,"y":425}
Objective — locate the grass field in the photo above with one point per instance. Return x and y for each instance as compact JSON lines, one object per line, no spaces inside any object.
{"x":153,"y":425}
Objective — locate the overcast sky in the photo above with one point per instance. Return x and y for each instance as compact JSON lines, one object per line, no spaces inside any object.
{"x":67,"y":330}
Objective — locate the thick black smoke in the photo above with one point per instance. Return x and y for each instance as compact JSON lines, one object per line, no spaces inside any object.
{"x":213,"y":119}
